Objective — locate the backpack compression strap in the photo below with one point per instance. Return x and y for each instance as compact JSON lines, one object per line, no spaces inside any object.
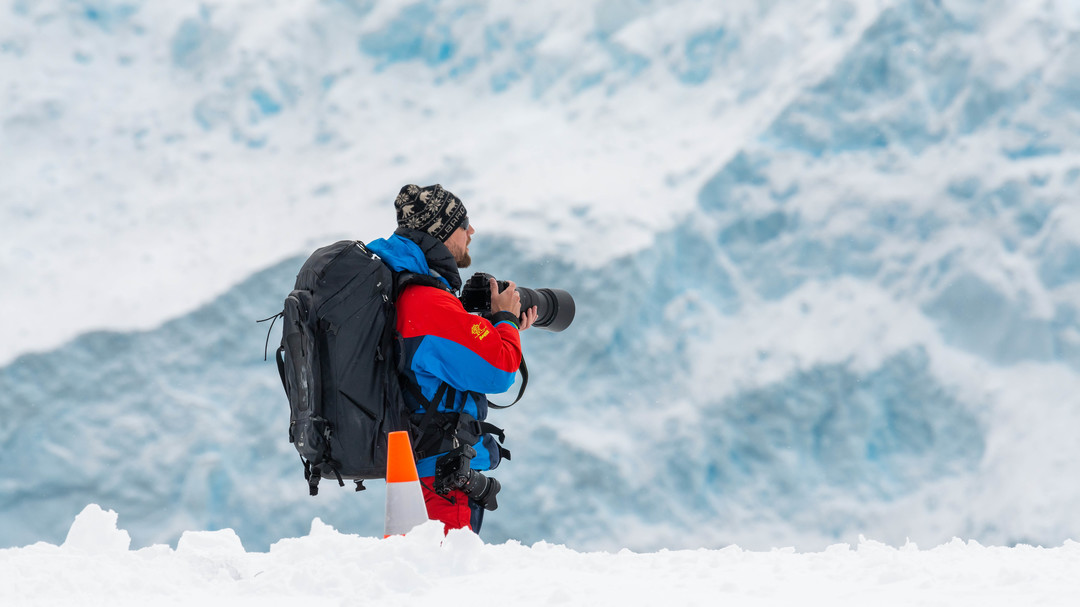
{"x":430,"y":406}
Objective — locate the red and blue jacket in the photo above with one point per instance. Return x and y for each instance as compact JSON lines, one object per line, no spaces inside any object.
{"x":442,"y":343}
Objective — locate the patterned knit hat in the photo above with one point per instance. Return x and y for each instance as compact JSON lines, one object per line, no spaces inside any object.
{"x":431,"y":209}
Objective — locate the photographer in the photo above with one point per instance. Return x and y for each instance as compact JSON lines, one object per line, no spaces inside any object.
{"x":450,"y":358}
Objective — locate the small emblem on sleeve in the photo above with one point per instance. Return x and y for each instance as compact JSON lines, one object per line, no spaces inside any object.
{"x":479,"y":331}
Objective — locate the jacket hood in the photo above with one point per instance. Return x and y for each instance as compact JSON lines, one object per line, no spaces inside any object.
{"x":418,"y":252}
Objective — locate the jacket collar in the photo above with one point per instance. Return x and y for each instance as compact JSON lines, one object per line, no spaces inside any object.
{"x":439,"y":258}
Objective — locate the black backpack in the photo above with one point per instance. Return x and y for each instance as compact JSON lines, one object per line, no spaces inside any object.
{"x":338,"y":364}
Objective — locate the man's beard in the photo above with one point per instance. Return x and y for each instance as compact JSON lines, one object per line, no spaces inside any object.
{"x":464,"y":260}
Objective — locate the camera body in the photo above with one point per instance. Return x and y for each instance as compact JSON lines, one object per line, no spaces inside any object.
{"x":554,"y":307}
{"x":476,"y":292}
{"x":452,"y":471}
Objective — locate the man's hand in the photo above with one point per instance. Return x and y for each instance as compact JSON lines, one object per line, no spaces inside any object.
{"x":507,"y":301}
{"x":510,"y":301}
{"x":528,"y":317}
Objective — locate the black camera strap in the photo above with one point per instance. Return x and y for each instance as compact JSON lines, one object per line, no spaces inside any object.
{"x":521,"y":391}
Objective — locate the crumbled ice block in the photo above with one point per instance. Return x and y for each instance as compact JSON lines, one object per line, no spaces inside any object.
{"x":94,"y":531}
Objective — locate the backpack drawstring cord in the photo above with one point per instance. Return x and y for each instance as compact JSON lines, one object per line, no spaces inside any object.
{"x":272,"y":319}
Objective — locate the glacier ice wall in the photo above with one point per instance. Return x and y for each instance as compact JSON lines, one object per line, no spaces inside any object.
{"x":827,"y":278}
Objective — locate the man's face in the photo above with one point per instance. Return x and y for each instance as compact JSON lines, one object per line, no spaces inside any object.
{"x":458,"y":243}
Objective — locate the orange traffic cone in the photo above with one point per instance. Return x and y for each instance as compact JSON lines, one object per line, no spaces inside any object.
{"x":405,"y":507}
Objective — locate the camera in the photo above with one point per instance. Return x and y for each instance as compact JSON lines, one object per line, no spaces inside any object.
{"x":452,"y":471}
{"x":554,"y":307}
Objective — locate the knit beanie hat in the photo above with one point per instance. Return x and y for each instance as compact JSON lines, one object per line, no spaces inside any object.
{"x":430,"y":209}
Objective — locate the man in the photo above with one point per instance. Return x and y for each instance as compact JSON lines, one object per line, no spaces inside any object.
{"x":451,"y":358}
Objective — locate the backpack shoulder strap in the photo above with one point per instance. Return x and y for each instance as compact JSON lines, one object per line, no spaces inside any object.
{"x":405,"y":279}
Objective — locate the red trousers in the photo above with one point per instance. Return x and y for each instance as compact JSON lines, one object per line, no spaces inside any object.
{"x":452,"y":509}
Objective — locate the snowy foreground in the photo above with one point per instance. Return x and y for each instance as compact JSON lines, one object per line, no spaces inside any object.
{"x":95,"y":566}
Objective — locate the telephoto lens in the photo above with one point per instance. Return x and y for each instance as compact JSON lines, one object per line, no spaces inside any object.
{"x":554,"y":307}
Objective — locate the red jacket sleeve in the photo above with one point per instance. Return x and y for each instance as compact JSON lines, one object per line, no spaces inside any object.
{"x":462,"y":349}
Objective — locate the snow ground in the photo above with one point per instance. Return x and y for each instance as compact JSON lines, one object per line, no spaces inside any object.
{"x":94,"y":566}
